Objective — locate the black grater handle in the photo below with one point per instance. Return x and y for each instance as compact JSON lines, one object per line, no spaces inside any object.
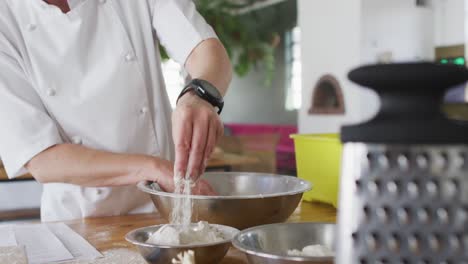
{"x":411,"y":99}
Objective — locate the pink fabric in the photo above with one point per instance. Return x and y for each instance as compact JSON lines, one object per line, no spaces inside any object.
{"x":285,"y":147}
{"x":251,"y":129}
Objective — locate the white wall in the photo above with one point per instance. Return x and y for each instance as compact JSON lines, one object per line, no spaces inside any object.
{"x":398,"y":27}
{"x":331,"y":43}
{"x":339,"y":35}
{"x":449,"y":22}
{"x":250,"y":101}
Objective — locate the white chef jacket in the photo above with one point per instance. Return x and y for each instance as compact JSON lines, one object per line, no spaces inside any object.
{"x":91,"y":77}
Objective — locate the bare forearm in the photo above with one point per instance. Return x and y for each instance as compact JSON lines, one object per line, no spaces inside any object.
{"x":68,"y":163}
{"x":196,"y":126}
{"x":209,"y":61}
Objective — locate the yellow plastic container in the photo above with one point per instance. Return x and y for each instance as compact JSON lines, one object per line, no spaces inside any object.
{"x":318,"y":159}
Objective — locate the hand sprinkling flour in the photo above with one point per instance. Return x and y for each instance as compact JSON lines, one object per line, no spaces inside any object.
{"x":181,"y":231}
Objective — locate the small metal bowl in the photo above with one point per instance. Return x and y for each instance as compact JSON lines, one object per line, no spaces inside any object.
{"x":269,"y":244}
{"x":211,"y":253}
{"x":244,"y":199}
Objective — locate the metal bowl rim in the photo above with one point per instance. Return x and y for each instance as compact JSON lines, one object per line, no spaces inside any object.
{"x":144,"y":244}
{"x":304,"y":187}
{"x":237,"y":244}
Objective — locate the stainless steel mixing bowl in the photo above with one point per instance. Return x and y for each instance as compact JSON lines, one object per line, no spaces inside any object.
{"x":244,"y":199}
{"x":269,"y":244}
{"x":211,"y":253}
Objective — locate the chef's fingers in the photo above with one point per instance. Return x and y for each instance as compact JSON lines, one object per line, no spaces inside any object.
{"x":182,"y":134}
{"x":197,"y":151}
{"x":210,"y":143}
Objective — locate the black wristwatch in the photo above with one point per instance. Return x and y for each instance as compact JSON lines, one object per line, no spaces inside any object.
{"x":205,"y":91}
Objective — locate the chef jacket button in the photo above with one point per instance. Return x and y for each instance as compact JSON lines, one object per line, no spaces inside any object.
{"x":144,"y":110}
{"x":99,"y":191}
{"x":77,"y":140}
{"x":31,"y":27}
{"x":51,"y":92}
{"x":129,"y":57}
{"x":102,"y":1}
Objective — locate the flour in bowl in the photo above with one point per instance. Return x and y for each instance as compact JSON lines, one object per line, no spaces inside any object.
{"x":312,"y":251}
{"x":200,"y":233}
{"x":186,"y":257}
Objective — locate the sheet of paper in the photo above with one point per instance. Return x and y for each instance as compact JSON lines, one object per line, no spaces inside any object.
{"x":76,"y":244}
{"x":7,"y":236}
{"x":42,"y":246}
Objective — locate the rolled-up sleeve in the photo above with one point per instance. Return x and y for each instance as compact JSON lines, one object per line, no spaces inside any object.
{"x":26,"y":128}
{"x":179,"y":27}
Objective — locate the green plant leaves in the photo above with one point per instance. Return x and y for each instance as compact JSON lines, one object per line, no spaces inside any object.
{"x":251,"y":38}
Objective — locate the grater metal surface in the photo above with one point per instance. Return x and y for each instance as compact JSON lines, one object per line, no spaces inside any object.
{"x":404,"y":179}
{"x":403,"y":203}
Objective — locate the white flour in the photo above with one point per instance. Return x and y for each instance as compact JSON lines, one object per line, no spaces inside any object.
{"x":312,"y":251}
{"x":199,"y":233}
{"x":186,"y":257}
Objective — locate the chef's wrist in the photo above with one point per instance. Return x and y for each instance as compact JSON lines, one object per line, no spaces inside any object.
{"x":205,"y":91}
{"x":144,"y":168}
{"x":190,"y":95}
{"x":190,"y":98}
{"x":155,"y":169}
{"x":184,"y":97}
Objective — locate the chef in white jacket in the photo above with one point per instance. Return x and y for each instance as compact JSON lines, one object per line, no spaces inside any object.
{"x":83,"y":106}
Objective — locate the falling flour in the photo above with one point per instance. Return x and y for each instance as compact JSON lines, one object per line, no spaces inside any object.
{"x":182,"y":210}
{"x":312,"y":251}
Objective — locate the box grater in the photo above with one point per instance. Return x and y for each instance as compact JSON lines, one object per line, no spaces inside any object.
{"x":404,"y":178}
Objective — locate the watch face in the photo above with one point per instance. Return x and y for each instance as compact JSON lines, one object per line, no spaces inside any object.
{"x":208,"y":89}
{"x":208,"y":92}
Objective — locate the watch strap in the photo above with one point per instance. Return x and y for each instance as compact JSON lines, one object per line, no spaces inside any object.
{"x":202,"y":94}
{"x":186,"y":89}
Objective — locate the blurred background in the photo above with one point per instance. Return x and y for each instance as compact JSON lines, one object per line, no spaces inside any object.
{"x":291,"y":59}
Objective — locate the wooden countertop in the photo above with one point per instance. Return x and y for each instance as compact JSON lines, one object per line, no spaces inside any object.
{"x":108,"y":232}
{"x":4,"y":177}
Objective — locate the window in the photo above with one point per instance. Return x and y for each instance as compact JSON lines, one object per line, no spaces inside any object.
{"x":294,"y":69}
{"x":174,"y":80}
